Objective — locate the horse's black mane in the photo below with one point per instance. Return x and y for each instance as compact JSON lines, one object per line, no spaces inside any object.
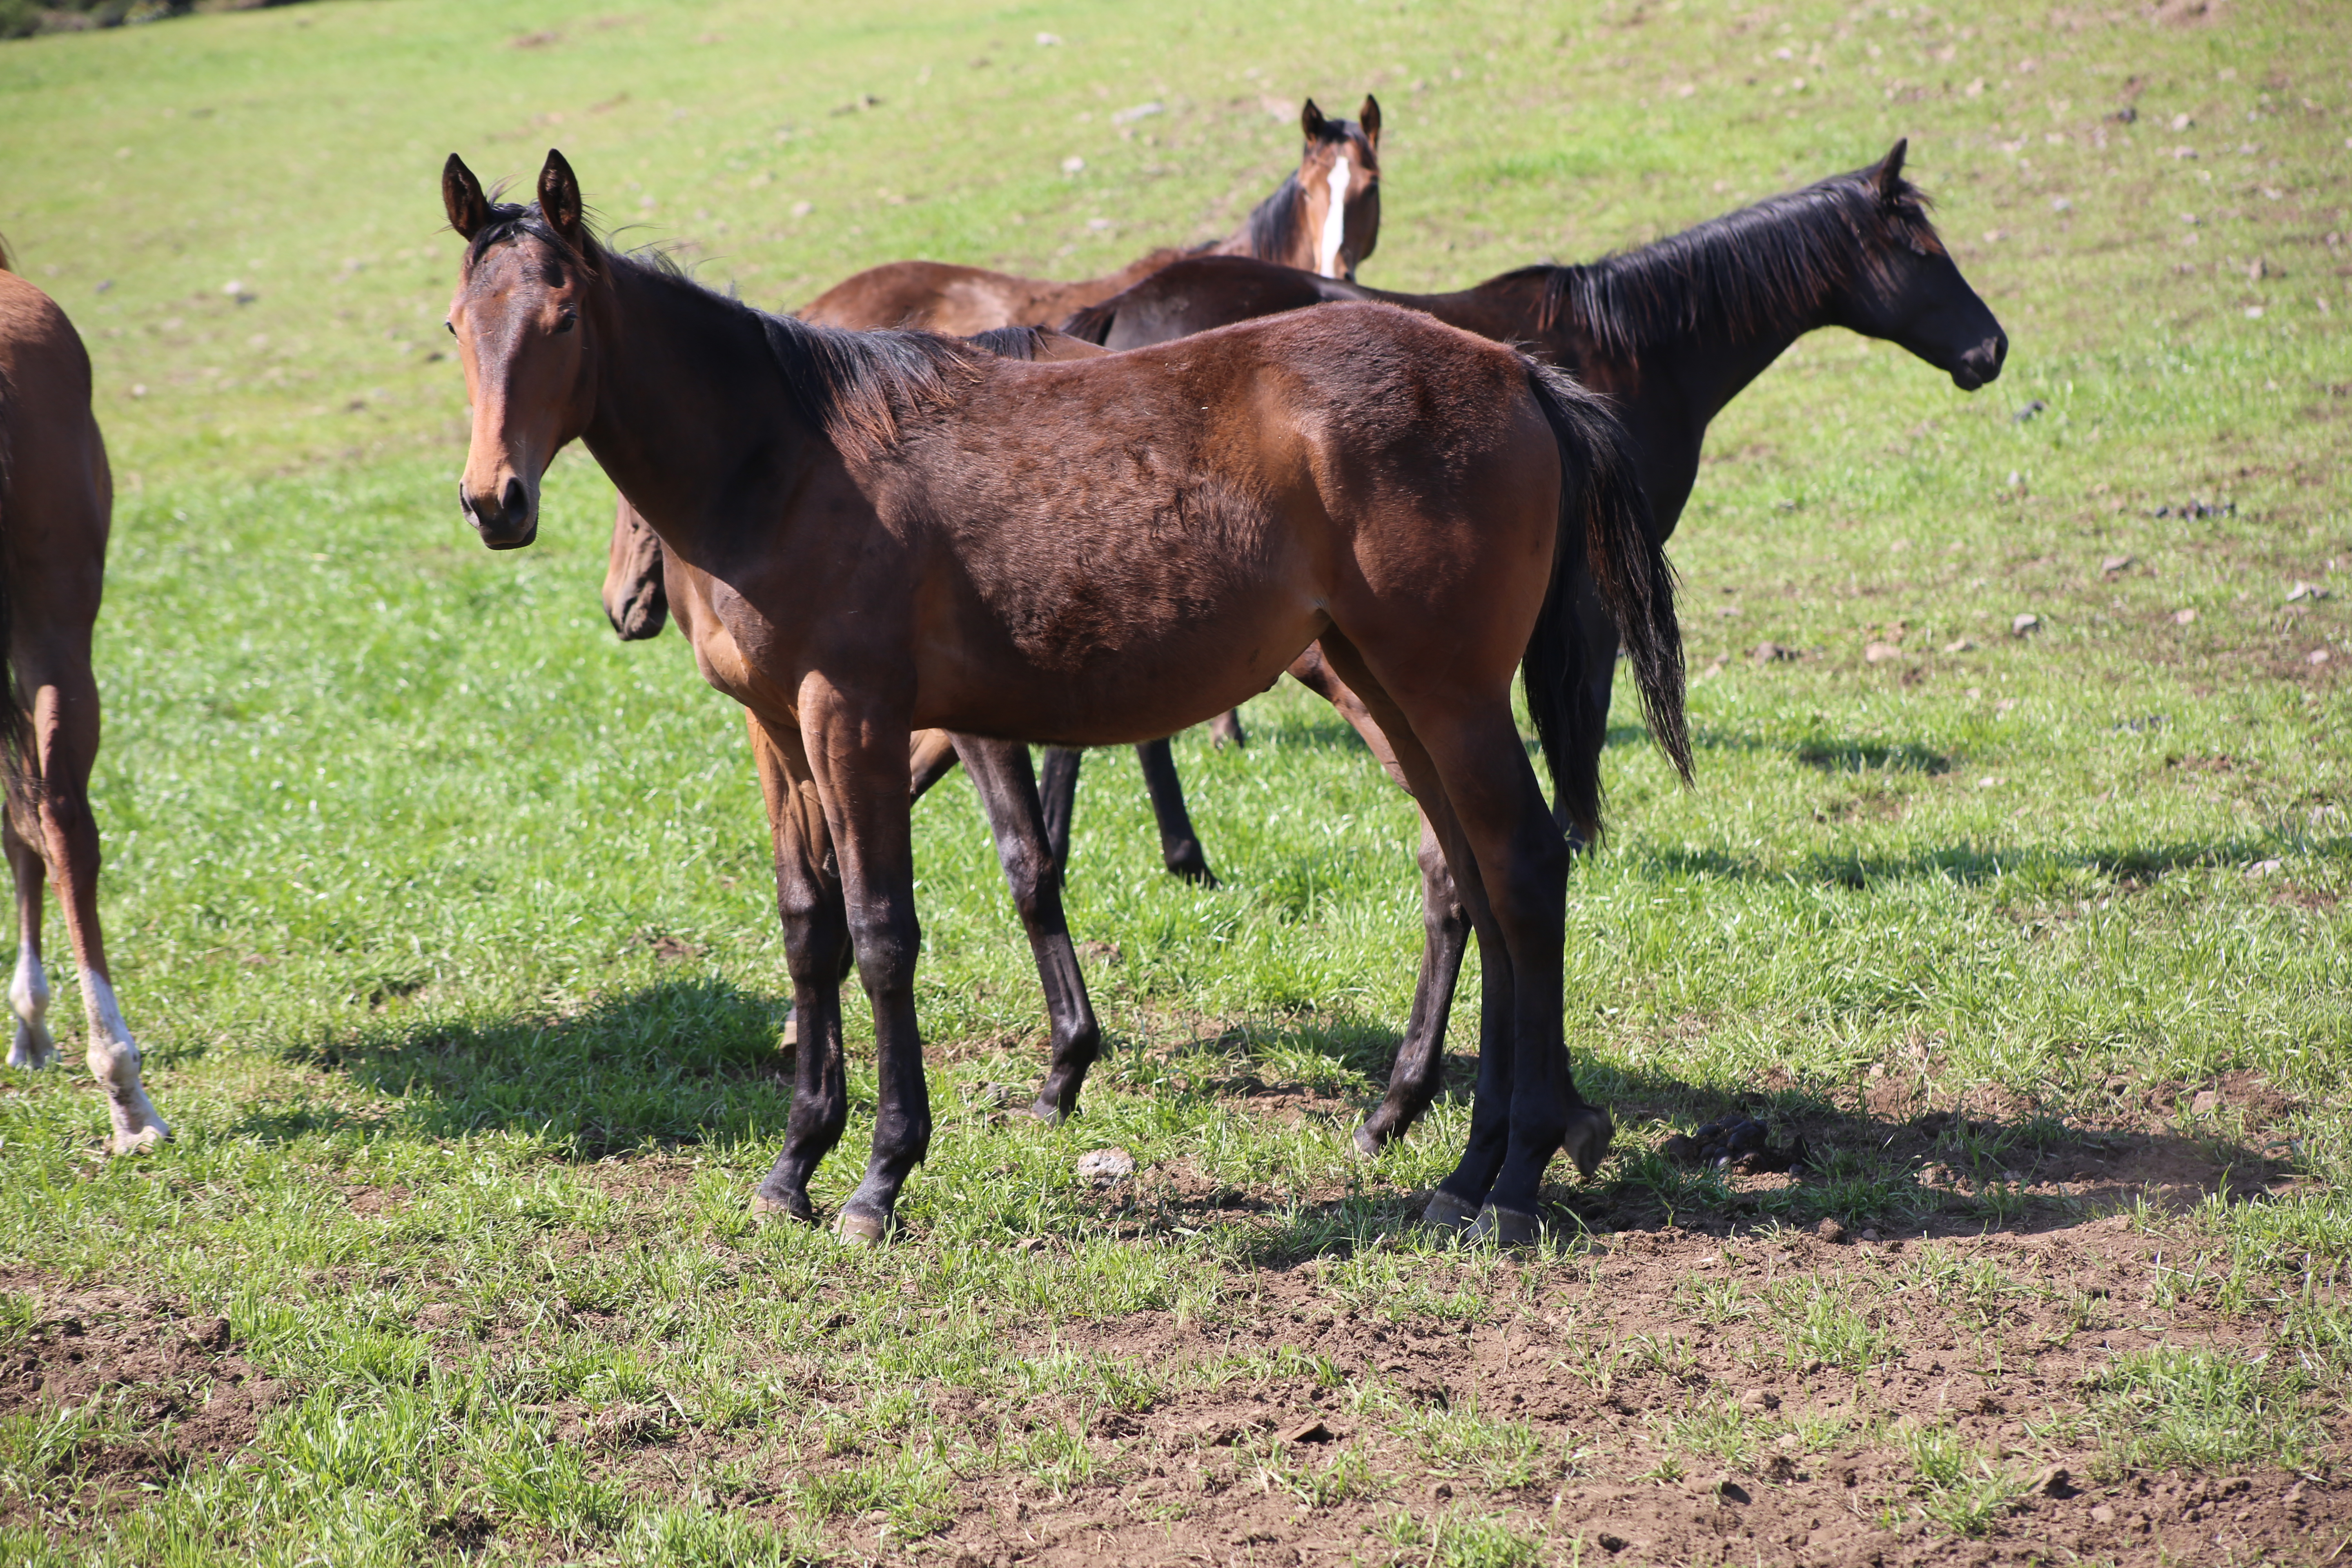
{"x":1737,"y":271}
{"x":855,"y":386}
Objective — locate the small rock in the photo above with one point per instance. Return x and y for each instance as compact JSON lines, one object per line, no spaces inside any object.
{"x":1074,"y":165}
{"x":2103,"y":1514}
{"x":2317,"y":656}
{"x":2184,"y":618}
{"x":2033,"y":408}
{"x":1831,"y":1230}
{"x":1960,"y":644}
{"x":1760,"y":1399}
{"x":1772,"y":653}
{"x":2025,"y":625}
{"x":1313,"y":1431}
{"x":208,"y":1333}
{"x":1611,"y":1543}
{"x":1030,"y":1243}
{"x":1870,"y":1234}
{"x":1731,"y":1492}
{"x":2305,"y":591}
{"x":1105,"y":1167}
{"x":2115,"y":563}
{"x":1879,"y":652}
{"x":2207,"y":1101}
{"x":2263,"y":868}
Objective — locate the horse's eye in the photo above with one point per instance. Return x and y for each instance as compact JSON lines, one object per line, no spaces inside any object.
{"x":566,"y":322}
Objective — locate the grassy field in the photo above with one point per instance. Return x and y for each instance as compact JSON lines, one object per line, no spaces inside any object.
{"x":446,"y":924}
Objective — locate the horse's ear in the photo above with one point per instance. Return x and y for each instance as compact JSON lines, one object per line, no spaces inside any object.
{"x":1889,"y":178}
{"x":1311,"y":121}
{"x":1369,"y":117}
{"x":461,"y":194}
{"x":559,"y":200}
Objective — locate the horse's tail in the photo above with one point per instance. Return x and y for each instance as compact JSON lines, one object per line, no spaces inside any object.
{"x":1093,"y":322}
{"x":1601,"y":499}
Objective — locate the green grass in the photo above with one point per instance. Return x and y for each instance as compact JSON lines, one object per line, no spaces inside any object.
{"x":446,"y":924}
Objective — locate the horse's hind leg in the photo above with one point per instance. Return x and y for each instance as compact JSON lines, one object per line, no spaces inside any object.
{"x":28,"y":988}
{"x":1000,"y":771}
{"x":1058,"y":793}
{"x":65,"y":731}
{"x":1225,"y":729}
{"x":1420,"y":1069}
{"x":1179,"y":845}
{"x":816,"y":950}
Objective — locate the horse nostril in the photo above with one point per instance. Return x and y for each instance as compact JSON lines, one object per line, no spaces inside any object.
{"x":516,"y":499}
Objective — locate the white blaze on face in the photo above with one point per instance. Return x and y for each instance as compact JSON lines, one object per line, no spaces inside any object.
{"x":1335,"y":218}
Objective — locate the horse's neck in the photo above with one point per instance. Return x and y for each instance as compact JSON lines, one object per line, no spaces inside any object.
{"x":689,"y":403}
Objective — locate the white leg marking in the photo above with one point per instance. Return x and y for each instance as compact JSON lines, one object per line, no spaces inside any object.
{"x":1335,"y":219}
{"x":114,"y":1062}
{"x":28,"y":999}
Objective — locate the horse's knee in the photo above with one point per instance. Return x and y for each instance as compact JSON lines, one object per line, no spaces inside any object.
{"x":886,"y":943}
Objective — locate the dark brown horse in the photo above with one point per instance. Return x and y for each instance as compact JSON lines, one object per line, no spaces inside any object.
{"x":1672,"y":331}
{"x":1325,"y":218}
{"x":56,"y":502}
{"x":637,"y":595}
{"x":877,"y":532}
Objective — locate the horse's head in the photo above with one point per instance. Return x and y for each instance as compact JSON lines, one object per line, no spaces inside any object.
{"x":1908,"y":290}
{"x":1339,"y":185}
{"x":523,"y":319}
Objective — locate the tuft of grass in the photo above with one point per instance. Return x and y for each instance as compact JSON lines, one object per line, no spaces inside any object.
{"x":1459,"y":1538}
{"x":2198,"y":1410}
{"x":1961,"y":1490}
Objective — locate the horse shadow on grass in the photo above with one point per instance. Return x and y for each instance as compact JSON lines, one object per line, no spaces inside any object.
{"x":676,"y":1063}
{"x":1877,"y":1155}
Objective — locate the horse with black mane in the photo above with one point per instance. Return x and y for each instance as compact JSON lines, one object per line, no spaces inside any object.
{"x":885,"y":531}
{"x":1325,"y":218}
{"x":56,"y":501}
{"x":1671,"y":333}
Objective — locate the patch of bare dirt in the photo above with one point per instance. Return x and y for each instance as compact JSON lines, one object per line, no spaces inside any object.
{"x":190,"y":1398}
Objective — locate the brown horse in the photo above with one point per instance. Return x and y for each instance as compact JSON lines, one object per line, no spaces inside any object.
{"x":1325,"y":218}
{"x":883,"y":532}
{"x":637,"y":597}
{"x":56,"y":500}
{"x":1672,"y":331}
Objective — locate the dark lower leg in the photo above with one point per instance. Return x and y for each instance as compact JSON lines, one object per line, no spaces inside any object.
{"x":1008,"y":791}
{"x":816,"y":950}
{"x":886,"y":938}
{"x":1179,"y":847}
{"x":1419,"y":1069}
{"x":1058,"y":795}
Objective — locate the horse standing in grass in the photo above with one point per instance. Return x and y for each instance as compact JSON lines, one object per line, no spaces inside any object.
{"x":56,"y":500}
{"x":1671,"y":333}
{"x":886,"y":532}
{"x":1325,"y":218}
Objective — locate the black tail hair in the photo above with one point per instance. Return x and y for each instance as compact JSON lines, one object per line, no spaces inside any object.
{"x":1602,"y":500}
{"x":1092,"y":323}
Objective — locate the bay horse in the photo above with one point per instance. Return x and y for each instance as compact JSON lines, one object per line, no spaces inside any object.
{"x":878,"y":532}
{"x":56,"y":502}
{"x":1324,"y":217}
{"x":1671,"y":333}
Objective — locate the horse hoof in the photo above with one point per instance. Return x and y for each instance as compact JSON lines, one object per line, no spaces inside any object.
{"x":1364,"y":1144}
{"x":145,"y":1140}
{"x":1506,"y":1227}
{"x":766,"y":1210}
{"x":33,"y":1048}
{"x":1046,"y":1112}
{"x":1448,"y":1212}
{"x":861,"y":1230}
{"x":1589,"y":1132}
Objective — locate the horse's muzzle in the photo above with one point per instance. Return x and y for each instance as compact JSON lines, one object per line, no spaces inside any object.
{"x":1981,"y":363}
{"x":510,"y":521}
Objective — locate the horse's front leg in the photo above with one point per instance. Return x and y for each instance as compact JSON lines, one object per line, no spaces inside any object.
{"x":858,"y":752}
{"x":816,"y":951}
